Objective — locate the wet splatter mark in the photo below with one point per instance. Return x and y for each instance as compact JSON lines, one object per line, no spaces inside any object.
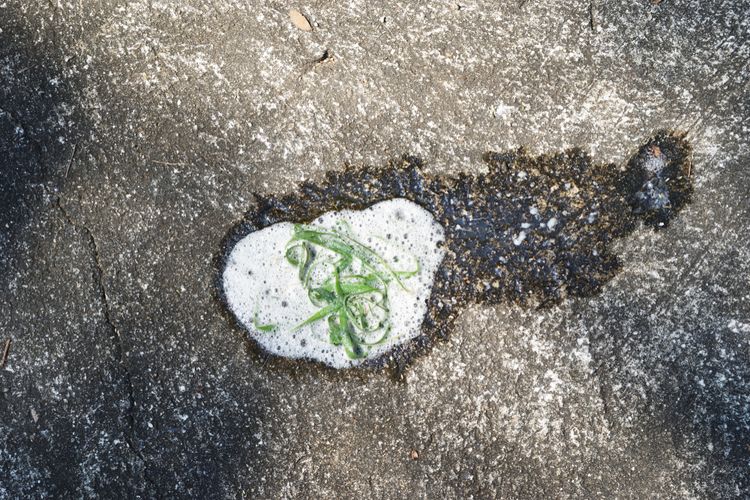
{"x":533,"y":230}
{"x":660,"y":178}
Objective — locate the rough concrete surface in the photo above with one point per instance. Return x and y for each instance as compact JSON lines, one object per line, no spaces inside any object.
{"x":133,"y":136}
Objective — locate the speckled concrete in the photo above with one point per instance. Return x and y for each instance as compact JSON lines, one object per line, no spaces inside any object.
{"x":133,"y":135}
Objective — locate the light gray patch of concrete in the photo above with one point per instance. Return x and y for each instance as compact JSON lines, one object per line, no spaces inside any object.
{"x":185,"y":109}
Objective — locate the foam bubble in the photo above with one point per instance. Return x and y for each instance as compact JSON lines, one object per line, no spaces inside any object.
{"x":262,"y":288}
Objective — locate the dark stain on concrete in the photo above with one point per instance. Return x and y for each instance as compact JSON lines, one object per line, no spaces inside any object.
{"x":533,"y":230}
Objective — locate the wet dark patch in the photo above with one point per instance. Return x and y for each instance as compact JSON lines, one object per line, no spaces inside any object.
{"x":533,"y":230}
{"x":659,"y":177}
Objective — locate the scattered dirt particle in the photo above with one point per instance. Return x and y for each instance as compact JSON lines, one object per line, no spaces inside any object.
{"x":34,"y":415}
{"x":299,"y":20}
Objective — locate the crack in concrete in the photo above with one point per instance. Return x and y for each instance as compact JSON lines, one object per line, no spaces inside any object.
{"x":119,"y":344}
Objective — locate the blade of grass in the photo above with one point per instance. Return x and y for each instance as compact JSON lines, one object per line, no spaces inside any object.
{"x":322,"y":313}
{"x":262,"y":328}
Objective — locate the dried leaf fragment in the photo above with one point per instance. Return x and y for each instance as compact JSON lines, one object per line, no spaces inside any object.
{"x":299,"y":20}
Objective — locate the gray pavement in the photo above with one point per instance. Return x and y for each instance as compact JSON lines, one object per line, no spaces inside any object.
{"x":133,"y":135}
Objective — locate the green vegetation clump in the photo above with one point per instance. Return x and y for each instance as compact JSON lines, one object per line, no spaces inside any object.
{"x":348,"y":281}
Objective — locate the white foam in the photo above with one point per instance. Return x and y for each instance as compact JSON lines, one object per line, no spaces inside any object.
{"x":259,"y":280}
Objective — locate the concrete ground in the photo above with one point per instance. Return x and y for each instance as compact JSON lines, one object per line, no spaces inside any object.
{"x":132,"y":136}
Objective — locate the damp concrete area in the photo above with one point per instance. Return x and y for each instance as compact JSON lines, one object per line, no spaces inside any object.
{"x":588,"y":330}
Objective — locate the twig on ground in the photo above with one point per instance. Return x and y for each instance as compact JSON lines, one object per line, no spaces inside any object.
{"x":169,"y":163}
{"x":6,"y":350}
{"x":72,"y":157}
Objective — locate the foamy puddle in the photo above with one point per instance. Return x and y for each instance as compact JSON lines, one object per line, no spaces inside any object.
{"x":263,"y":288}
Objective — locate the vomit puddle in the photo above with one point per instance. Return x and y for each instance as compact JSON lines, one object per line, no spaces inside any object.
{"x":264,"y":283}
{"x":533,"y":230}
